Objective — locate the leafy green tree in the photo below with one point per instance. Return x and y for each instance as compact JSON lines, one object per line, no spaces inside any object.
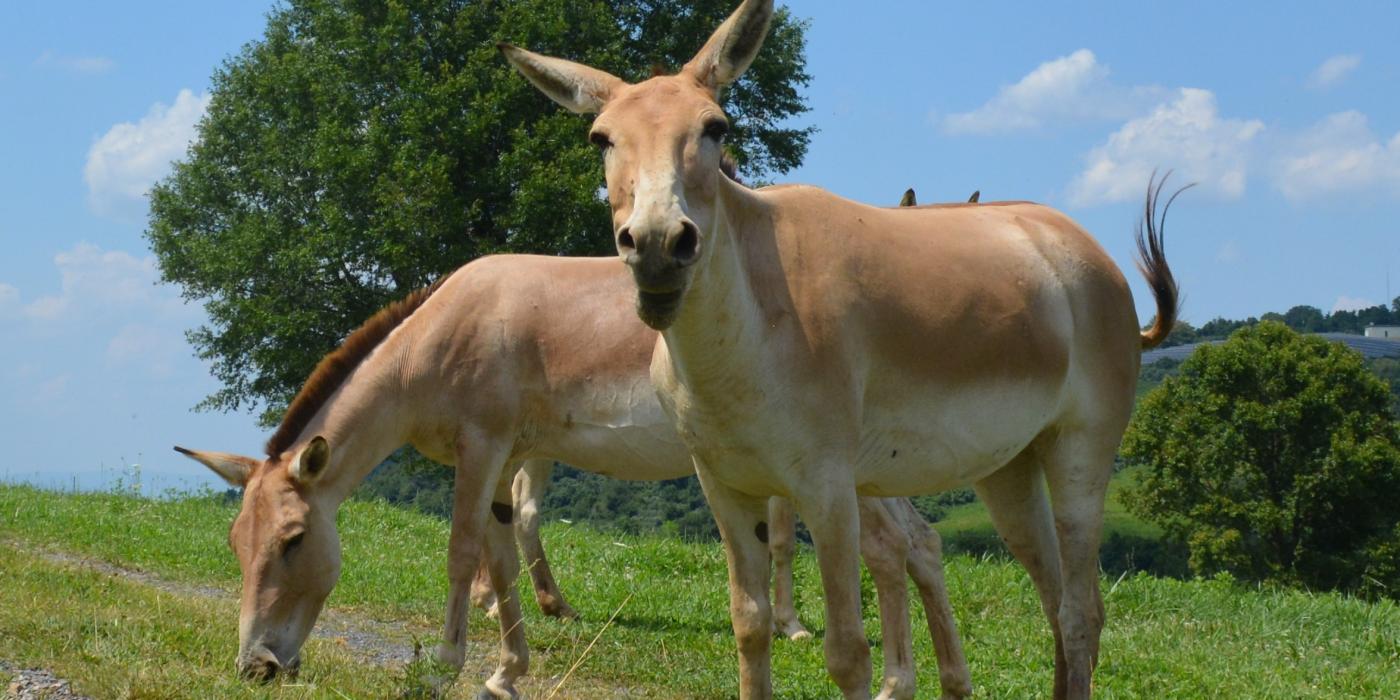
{"x":361,"y":148}
{"x":1273,"y":456}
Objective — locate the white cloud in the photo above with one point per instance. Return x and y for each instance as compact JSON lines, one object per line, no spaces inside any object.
{"x":95,"y":280}
{"x":1346,"y":303}
{"x":1338,"y":154}
{"x":1186,"y":135}
{"x":156,"y":349}
{"x":87,"y":65}
{"x":124,"y":163}
{"x":1333,"y":70}
{"x":1067,"y":89}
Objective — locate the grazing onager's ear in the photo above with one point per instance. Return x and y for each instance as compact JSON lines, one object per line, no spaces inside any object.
{"x":232,"y":468}
{"x":733,"y":46}
{"x":909,"y":200}
{"x":577,"y":87}
{"x":310,"y":463}
{"x":976,"y":195}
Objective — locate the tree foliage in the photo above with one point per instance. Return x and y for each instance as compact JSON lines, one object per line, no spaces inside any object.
{"x":362,"y":148}
{"x":1274,"y":456}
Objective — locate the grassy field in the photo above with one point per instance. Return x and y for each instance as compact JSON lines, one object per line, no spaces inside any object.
{"x":115,"y":637}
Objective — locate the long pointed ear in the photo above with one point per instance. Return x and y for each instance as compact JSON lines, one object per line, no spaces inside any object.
{"x":976,"y":197}
{"x":577,"y":87}
{"x":733,"y":46}
{"x":909,"y":200}
{"x":310,"y":463}
{"x":234,"y":469}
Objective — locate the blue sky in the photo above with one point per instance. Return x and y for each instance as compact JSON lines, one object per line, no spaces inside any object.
{"x":1287,"y":114}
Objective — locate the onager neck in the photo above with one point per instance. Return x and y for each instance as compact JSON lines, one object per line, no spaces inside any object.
{"x":722,"y":320}
{"x":365,"y":420}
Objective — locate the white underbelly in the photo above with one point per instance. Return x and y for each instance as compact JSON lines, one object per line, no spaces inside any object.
{"x":618,"y":431}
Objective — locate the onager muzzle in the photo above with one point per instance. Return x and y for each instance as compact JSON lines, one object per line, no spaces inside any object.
{"x":659,"y":249}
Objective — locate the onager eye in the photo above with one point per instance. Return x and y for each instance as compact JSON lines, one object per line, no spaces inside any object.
{"x":292,"y":544}
{"x":716,"y":129}
{"x":600,"y":140}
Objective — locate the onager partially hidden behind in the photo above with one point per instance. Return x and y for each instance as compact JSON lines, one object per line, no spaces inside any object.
{"x":816,"y":348}
{"x":510,"y":359}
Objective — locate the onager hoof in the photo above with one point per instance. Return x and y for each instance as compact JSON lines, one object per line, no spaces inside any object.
{"x":498,"y":688}
{"x":451,"y":657}
{"x":792,"y":629}
{"x":561,"y":610}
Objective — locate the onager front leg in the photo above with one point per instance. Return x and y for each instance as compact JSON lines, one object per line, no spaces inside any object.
{"x":742,"y":526}
{"x":832,"y":516}
{"x":480,"y":461}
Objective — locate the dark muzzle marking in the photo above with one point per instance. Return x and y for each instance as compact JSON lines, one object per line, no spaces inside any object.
{"x":761,"y":531}
{"x":503,"y":512}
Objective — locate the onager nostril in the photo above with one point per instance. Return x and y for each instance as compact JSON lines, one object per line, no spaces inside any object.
{"x":687,"y":244}
{"x":625,"y":242}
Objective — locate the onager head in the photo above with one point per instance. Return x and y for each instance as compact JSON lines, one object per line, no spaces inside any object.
{"x":287,"y":548}
{"x":661,"y":141}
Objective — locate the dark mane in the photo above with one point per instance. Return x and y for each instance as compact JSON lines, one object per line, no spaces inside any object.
{"x":332,"y":370}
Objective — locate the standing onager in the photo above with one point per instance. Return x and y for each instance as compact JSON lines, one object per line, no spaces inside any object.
{"x":816,"y":348}
{"x":510,"y":358}
{"x":532,"y":480}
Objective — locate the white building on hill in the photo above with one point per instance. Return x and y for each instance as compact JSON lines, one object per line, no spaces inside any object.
{"x":1386,"y":332}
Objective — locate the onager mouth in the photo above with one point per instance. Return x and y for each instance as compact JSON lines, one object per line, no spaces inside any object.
{"x":658,"y":309}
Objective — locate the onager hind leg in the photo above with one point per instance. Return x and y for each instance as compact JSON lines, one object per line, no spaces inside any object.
{"x":782,"y":529}
{"x":527,"y":489}
{"x":1015,"y":498}
{"x":1078,"y":464}
{"x":925,"y":566}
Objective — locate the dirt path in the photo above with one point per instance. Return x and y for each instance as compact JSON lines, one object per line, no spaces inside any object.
{"x":384,"y":643}
{"x":379,"y":642}
{"x":35,"y":684}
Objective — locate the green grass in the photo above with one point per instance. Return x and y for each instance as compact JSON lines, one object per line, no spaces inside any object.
{"x":1165,"y":638}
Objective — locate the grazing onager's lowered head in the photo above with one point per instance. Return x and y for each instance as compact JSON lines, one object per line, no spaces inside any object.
{"x":661,"y":141}
{"x":287,"y":547}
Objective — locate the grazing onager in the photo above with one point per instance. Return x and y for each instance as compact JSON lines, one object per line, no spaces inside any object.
{"x":817,"y":348}
{"x":509,"y":359}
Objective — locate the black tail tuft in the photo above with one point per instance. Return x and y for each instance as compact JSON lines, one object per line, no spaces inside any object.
{"x":1152,"y":260}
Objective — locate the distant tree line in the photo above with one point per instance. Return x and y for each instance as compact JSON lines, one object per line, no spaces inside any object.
{"x":1302,"y":318}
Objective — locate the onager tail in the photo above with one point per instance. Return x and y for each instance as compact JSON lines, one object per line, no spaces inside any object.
{"x":1152,"y":261}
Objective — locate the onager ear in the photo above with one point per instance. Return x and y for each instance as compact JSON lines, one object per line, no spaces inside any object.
{"x":909,"y":200}
{"x":976,"y":197}
{"x":577,"y":87}
{"x":232,"y":468}
{"x":733,"y":46}
{"x":311,"y":461}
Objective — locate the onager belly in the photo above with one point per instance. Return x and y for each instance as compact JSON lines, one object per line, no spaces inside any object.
{"x":615,"y":430}
{"x":946,"y":439}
